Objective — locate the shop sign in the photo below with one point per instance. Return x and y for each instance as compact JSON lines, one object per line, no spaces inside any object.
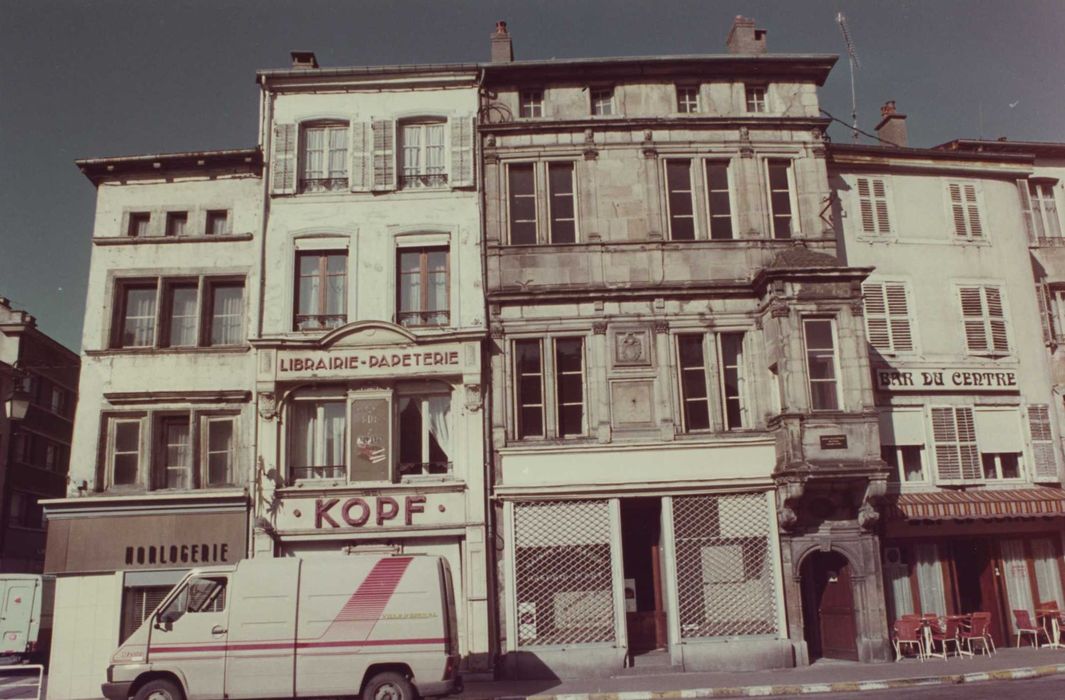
{"x":956,"y":379}
{"x":365,"y":512}
{"x":369,"y":362}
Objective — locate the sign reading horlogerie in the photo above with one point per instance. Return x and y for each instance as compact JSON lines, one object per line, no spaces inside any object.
{"x":369,"y":362}
{"x":945,"y":379}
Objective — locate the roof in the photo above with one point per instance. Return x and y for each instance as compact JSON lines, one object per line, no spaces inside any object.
{"x":799,"y":256}
{"x":981,"y":504}
{"x":1050,"y":149}
{"x":937,"y":153}
{"x":98,"y":169}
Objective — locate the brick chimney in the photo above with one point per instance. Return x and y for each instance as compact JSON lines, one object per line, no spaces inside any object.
{"x":744,"y":37}
{"x":502,"y":47}
{"x":304,"y":60}
{"x":892,"y":126}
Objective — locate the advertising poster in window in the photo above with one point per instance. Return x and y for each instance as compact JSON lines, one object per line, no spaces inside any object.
{"x":371,"y":446}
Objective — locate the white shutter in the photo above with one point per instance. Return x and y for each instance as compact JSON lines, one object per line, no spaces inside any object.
{"x":1026,"y":209}
{"x":865,"y":205}
{"x":972,"y":208}
{"x":361,"y":157}
{"x":876,"y":321}
{"x":998,"y":429}
{"x":957,"y":208}
{"x":872,"y":204}
{"x":1044,"y":463}
{"x":954,"y":434}
{"x":283,"y":160}
{"x":972,"y":312}
{"x":880,"y":202}
{"x":1041,"y":295}
{"x":996,"y":319}
{"x":902,"y":426}
{"x":462,"y":133}
{"x":384,"y":155}
{"x":898,"y":310}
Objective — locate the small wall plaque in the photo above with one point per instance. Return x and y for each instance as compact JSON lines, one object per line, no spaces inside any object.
{"x":833,"y":442}
{"x":632,"y":348}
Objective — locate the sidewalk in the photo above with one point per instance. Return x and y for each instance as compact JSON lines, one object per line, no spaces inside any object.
{"x":824,"y":676}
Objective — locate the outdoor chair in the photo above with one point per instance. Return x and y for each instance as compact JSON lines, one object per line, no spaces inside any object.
{"x":979,"y":629}
{"x":1022,"y":622}
{"x":933,"y":633}
{"x":950,"y":634}
{"x":907,"y":633}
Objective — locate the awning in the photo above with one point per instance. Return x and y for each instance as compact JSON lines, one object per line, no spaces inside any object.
{"x":980,"y":505}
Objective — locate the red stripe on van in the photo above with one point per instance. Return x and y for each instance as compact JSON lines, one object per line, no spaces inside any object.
{"x":370,"y":598}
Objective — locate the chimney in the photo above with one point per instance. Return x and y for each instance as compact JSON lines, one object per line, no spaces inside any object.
{"x":892,"y":126}
{"x":502,"y":48}
{"x":744,"y":37}
{"x":304,"y":60}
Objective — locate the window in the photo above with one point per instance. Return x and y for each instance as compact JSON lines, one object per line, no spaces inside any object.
{"x":780,"y":209}
{"x":423,"y":287}
{"x":138,"y":224}
{"x":217,"y":223}
{"x":984,"y":319}
{"x":679,"y":200}
{"x":906,"y":462}
{"x":873,"y":205}
{"x":957,"y":454}
{"x":219,"y":450}
{"x":51,"y":456}
{"x":755,"y":98}
{"x":174,"y":467}
{"x":423,"y":155}
{"x":693,"y":385}
{"x":58,"y":401}
{"x":822,"y":363}
{"x":603,"y":101}
{"x":524,"y":180}
{"x":322,"y":290}
{"x":138,"y":602}
{"x":324,"y":158}
{"x":124,"y":452}
{"x":23,"y":511}
{"x":424,"y":435}
{"x":902,"y":438}
{"x":187,"y":450}
{"x":887,"y":316}
{"x":1044,"y":210}
{"x":531,"y":104}
{"x":177,"y":223}
{"x":318,"y":436}
{"x":170,"y":313}
{"x":730,"y":360}
{"x":543,"y":408}
{"x":718,"y":197}
{"x":1000,"y":441}
{"x":687,"y":99}
{"x":965,"y":211}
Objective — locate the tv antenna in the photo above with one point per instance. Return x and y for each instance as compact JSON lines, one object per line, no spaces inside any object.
{"x":852,"y":55}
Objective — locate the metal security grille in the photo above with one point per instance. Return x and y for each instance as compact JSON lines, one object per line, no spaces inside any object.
{"x":564,"y":591}
{"x":725,"y":580}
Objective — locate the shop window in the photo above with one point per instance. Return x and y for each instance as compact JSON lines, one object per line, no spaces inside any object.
{"x":321,"y":290}
{"x":169,"y":313}
{"x":423,"y":287}
{"x":424,"y":150}
{"x":688,"y":99}
{"x":425,"y":435}
{"x":754,"y":97}
{"x":177,"y":223}
{"x":779,"y":177}
{"x":138,"y":224}
{"x":929,"y":573}
{"x":217,"y":222}
{"x":549,"y":408}
{"x":318,"y":439}
{"x":679,"y":199}
{"x":822,"y":363}
{"x":531,"y":104}
{"x":559,"y":209}
{"x":984,"y":319}
{"x":324,"y":157}
{"x":965,"y":211}
{"x":1047,"y":574}
{"x":603,"y":101}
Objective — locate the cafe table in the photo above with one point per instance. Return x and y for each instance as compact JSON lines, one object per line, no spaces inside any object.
{"x":1053,"y":616}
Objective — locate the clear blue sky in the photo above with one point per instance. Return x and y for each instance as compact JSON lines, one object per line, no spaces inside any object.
{"x":82,"y":79}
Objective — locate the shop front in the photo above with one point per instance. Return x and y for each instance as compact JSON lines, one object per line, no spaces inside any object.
{"x":115,"y":559}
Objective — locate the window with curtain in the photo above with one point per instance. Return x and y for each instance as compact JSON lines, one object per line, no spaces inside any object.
{"x":317,"y":439}
{"x":897,"y":573}
{"x":425,"y":435}
{"x":322,"y":290}
{"x":227,"y":313}
{"x":220,"y":448}
{"x":1015,"y":575}
{"x":324,"y":158}
{"x":423,"y":287}
{"x":183,"y":315}
{"x":423,"y":149}
{"x":1044,"y":209}
{"x":1047,"y":573}
{"x":183,"y":312}
{"x":138,"y":317}
{"x":930,"y":578}
{"x":174,"y":467}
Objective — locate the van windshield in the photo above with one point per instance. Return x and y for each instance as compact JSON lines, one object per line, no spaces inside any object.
{"x":198,"y":595}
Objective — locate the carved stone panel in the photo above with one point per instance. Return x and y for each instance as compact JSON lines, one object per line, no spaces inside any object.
{"x":631,"y":347}
{"x":632,"y":403}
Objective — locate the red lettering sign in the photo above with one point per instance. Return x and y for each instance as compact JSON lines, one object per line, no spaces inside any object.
{"x":356,"y":511}
{"x":361,"y":519}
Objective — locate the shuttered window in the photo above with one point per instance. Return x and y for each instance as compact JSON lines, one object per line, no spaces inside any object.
{"x":1044,"y":463}
{"x":283,"y":161}
{"x":873,"y":205}
{"x":965,"y":210}
{"x":384,"y":154}
{"x":984,"y":318}
{"x":957,"y":454}
{"x":888,"y":325}
{"x":1044,"y":210}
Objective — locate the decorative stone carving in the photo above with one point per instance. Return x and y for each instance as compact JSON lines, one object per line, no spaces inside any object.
{"x":632,"y":348}
{"x":660,"y":326}
{"x":267,"y":406}
{"x":590,"y":151}
{"x":789,"y":493}
{"x":474,"y":401}
{"x":868,"y":515}
{"x":599,"y":327}
{"x":746,"y":149}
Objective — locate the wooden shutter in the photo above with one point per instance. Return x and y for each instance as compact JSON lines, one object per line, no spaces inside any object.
{"x":972,"y":312}
{"x":283,"y":161}
{"x":954,"y":434}
{"x":898,"y":310}
{"x":384,"y":155}
{"x":1042,"y":296}
{"x":1044,"y":463}
{"x":865,"y":205}
{"x":872,"y":201}
{"x":996,"y":319}
{"x":461,"y":151}
{"x":361,"y":157}
{"x":957,"y":208}
{"x":876,"y":319}
{"x":972,"y":207}
{"x":1026,"y":210}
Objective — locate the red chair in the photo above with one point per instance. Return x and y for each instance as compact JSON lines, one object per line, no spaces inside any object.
{"x":907,"y":632}
{"x":1022,"y":622}
{"x":979,"y":629}
{"x":933,"y":632}
{"x":950,"y":634}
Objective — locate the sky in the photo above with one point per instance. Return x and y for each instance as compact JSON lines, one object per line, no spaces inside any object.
{"x":83,"y":79}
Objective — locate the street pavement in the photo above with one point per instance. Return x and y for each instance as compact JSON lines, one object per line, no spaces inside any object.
{"x":821,"y":677}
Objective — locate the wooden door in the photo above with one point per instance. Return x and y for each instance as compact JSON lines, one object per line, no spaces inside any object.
{"x":836,"y":609}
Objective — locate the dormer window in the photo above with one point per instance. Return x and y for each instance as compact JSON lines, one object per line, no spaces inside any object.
{"x":531,"y":104}
{"x":423,"y":150}
{"x":603,"y":102}
{"x":688,"y":99}
{"x":755,"y":97}
{"x":324,"y":166}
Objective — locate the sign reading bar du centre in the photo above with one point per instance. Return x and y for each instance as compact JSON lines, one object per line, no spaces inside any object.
{"x":956,"y":379}
{"x":348,"y":362}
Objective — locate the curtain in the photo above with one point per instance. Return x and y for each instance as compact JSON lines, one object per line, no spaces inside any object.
{"x":930,"y":579}
{"x":140,"y":317}
{"x":434,"y":153}
{"x":183,"y":317}
{"x":228,"y":306}
{"x":336,"y":285}
{"x":338,"y":151}
{"x":302,"y":433}
{"x":312,"y":156}
{"x":440,"y":422}
{"x":1015,"y":571}
{"x":899,"y":577}
{"x":177,"y":455}
{"x":335,"y":423}
{"x":412,"y":149}
{"x":1047,"y":578}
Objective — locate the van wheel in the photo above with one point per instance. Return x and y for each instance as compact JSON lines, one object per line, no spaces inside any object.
{"x":384,"y":686}
{"x":159,"y":689}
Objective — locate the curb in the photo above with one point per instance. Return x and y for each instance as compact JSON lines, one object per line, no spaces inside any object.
{"x":806,"y":688}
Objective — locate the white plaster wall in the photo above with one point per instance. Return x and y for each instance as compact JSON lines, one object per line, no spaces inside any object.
{"x":85,"y":634}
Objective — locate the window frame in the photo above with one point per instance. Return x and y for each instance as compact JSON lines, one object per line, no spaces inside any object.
{"x":328,"y":183}
{"x":710,"y":215}
{"x":793,"y":214}
{"x":837,"y":379}
{"x":321,"y":304}
{"x":550,"y":396}
{"x":1040,"y":192}
{"x":528,"y":102}
{"x":319,"y":397}
{"x":752,"y":90}
{"x":212,"y":216}
{"x":423,"y":253}
{"x":134,"y":222}
{"x":978,"y":234}
{"x":685,"y":105}
{"x":685,"y":399}
{"x":162,"y":312}
{"x":986,"y":318}
{"x":177,"y":219}
{"x":596,"y":102}
{"x":670,"y":216}
{"x":423,"y":392}
{"x":741,"y":380}
{"x":422,"y":179}
{"x":542,"y":196}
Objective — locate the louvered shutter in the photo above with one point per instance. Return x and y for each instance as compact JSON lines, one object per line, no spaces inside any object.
{"x":461,"y":151}
{"x":972,"y":207}
{"x":1045,"y":317}
{"x":996,"y":319}
{"x":1044,"y":463}
{"x":1026,"y":209}
{"x":384,"y":155}
{"x":972,"y":311}
{"x":865,"y":205}
{"x":361,"y":157}
{"x":283,"y":160}
{"x":872,"y":204}
{"x":876,"y":321}
{"x":880,"y":202}
{"x":957,"y":208}
{"x":898,"y":310}
{"x":954,"y":434}
{"x":969,"y":453}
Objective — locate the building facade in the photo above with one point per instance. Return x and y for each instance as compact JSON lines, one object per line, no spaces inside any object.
{"x":677,"y":365}
{"x":38,"y":394}
{"x":968,"y":415}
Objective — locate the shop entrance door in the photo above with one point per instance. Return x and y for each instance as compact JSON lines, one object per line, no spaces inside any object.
{"x":828,"y":607}
{"x":641,"y":546}
{"x":974,"y":575}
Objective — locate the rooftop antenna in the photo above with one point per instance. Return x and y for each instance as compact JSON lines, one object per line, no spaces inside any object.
{"x":852,"y":55}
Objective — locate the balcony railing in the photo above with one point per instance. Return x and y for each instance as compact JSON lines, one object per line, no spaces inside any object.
{"x":335,"y":471}
{"x":418,"y":319}
{"x":317,"y":322}
{"x":424,"y":468}
{"x":324,"y":184}
{"x":419,"y":180}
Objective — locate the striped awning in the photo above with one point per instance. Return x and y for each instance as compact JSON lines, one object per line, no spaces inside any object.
{"x":981,"y":504}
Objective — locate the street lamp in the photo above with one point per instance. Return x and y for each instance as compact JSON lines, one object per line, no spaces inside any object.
{"x":18,"y":403}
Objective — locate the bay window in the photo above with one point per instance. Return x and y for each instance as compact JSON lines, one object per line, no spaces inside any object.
{"x":321,"y":290}
{"x":822,"y":363}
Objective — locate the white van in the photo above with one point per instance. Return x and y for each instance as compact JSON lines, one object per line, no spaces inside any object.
{"x":25,"y":615}
{"x":382,"y":627}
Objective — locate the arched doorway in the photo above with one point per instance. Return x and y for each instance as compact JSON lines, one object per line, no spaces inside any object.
{"x":828,"y":607}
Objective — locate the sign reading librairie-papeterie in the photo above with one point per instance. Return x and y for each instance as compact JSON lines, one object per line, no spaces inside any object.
{"x":369,"y":362}
{"x":955,"y":379}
